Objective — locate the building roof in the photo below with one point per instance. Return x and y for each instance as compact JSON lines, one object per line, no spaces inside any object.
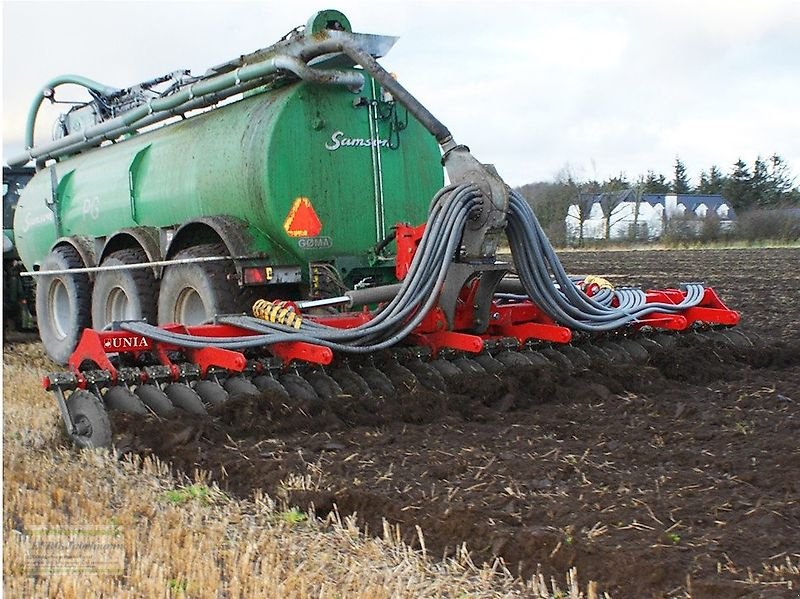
{"x":689,"y":201}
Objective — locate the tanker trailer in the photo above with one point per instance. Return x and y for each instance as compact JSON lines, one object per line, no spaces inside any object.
{"x":306,"y":180}
{"x":276,"y":174}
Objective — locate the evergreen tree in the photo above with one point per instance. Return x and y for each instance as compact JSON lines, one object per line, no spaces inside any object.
{"x":680,"y":182}
{"x":760,"y":184}
{"x":711,"y":182}
{"x":780,"y":183}
{"x":654,"y":183}
{"x":737,"y":188}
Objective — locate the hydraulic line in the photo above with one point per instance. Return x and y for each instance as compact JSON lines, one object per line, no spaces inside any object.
{"x":549,"y":286}
{"x":418,"y":293}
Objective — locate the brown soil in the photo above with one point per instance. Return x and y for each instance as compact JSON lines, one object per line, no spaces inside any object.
{"x":679,"y":476}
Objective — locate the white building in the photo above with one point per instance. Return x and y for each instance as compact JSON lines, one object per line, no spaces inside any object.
{"x":623,"y":215}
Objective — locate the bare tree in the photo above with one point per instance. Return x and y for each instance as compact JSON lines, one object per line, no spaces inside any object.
{"x":583,"y":206}
{"x":609,"y":201}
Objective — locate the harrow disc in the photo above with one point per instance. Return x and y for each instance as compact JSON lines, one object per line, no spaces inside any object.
{"x":92,"y":425}
{"x":352,"y":384}
{"x":211,"y":393}
{"x":379,"y":383}
{"x":511,"y":359}
{"x":469,"y":366}
{"x":123,"y":400}
{"x":446,"y":368}
{"x":186,"y":398}
{"x":239,"y":384}
{"x":155,"y":399}
{"x":490,"y":364}
{"x":401,"y":377}
{"x":427,"y":376}
{"x":299,"y":388}
{"x":325,"y":386}
{"x":635,"y":350}
{"x":271,"y":385}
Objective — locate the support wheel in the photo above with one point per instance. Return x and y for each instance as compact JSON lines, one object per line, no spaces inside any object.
{"x":194,"y":293}
{"x":92,"y":426}
{"x":124,"y":294}
{"x":63,"y":304}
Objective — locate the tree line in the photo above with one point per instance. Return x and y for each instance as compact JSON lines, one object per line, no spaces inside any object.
{"x":766,"y":184}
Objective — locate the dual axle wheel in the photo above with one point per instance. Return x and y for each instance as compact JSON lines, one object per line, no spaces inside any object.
{"x":187,"y":293}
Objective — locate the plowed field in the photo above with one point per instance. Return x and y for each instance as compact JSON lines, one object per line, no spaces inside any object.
{"x":675,"y":478}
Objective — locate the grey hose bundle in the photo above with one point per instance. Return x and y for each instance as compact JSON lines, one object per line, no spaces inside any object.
{"x":548,"y":285}
{"x":419,"y":292}
{"x":541,"y":273}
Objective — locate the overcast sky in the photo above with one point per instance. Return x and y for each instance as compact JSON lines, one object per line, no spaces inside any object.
{"x":601,"y":87}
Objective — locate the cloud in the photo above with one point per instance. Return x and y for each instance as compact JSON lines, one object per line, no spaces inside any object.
{"x":529,"y":86}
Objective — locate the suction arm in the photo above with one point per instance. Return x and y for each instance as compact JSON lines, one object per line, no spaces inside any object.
{"x":48,"y":91}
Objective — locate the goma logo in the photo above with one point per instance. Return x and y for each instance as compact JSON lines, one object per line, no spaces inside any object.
{"x":315,"y":243}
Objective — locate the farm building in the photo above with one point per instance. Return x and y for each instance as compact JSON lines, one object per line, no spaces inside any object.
{"x":620,"y":215}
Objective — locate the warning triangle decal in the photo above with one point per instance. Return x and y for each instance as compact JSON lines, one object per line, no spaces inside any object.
{"x":302,"y":220}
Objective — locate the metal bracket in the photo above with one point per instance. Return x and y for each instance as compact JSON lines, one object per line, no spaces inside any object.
{"x":458,"y":275}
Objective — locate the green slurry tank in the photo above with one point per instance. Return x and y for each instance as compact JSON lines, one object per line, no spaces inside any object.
{"x":279,"y":174}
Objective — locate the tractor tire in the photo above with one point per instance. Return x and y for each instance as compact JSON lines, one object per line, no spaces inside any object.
{"x":63,"y":304}
{"x":124,"y":294}
{"x":90,"y":419}
{"x":192,"y":294}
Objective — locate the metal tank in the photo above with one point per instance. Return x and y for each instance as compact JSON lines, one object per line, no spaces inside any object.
{"x":277,"y":174}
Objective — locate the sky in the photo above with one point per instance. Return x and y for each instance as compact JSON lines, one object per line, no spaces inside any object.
{"x":593,"y":88}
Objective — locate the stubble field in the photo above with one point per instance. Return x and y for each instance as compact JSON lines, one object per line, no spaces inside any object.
{"x":679,"y":477}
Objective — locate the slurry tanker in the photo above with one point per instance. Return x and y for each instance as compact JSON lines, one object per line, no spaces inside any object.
{"x":282,"y":224}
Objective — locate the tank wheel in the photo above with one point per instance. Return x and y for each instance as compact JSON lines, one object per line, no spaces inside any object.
{"x":63,"y":304}
{"x":298,"y":388}
{"x":155,"y":399}
{"x":92,"y":426}
{"x":124,"y":294}
{"x":211,"y":393}
{"x":577,"y":357}
{"x":194,"y":293}
{"x":378,"y":382}
{"x":184,"y":397}
{"x":122,"y":399}
{"x":236,"y":385}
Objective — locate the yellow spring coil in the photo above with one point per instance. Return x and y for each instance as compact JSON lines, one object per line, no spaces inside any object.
{"x":279,"y":312}
{"x":599,"y":281}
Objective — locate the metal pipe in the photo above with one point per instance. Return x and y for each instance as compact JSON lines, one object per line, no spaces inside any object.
{"x":85,"y":82}
{"x":89,"y":269}
{"x":130,"y":121}
{"x":400,"y":93}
